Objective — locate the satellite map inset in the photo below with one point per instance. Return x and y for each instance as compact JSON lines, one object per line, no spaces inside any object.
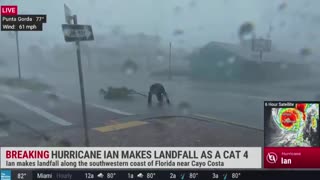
{"x":293,"y":126}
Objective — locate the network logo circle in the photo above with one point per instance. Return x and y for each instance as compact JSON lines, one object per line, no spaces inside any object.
{"x":272,"y":158}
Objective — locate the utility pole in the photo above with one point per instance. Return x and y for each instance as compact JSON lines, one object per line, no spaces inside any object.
{"x":170,"y":75}
{"x":18,"y":54}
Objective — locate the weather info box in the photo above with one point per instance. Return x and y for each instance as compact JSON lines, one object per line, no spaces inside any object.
{"x":292,"y":135}
{"x":11,"y":20}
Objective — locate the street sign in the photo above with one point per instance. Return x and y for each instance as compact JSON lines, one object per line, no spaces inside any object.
{"x":261,"y":45}
{"x":77,"y":32}
{"x":68,"y":14}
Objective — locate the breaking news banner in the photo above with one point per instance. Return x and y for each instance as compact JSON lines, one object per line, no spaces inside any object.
{"x":131,"y":158}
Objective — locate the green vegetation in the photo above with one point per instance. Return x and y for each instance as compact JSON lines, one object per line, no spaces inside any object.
{"x":129,"y":65}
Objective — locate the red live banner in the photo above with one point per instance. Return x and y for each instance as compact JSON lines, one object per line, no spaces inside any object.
{"x":291,"y":157}
{"x":9,"y":10}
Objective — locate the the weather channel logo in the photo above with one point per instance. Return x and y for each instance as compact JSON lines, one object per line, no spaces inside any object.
{"x":5,"y":175}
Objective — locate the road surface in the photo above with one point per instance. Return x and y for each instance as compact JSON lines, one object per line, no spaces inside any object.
{"x":237,"y":103}
{"x":220,"y":114}
{"x":41,"y":119}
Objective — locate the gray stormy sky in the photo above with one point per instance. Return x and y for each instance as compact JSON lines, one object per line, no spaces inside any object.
{"x":202,"y":21}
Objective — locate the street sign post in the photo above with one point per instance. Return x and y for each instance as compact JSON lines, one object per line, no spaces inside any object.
{"x":76,"y":33}
{"x":170,"y":76}
{"x":261,"y":45}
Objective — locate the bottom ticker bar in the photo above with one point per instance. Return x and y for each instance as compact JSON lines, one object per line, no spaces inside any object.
{"x":157,"y":175}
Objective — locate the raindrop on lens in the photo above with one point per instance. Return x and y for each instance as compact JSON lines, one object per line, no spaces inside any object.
{"x":246,"y":31}
{"x":220,"y":64}
{"x":229,"y":73}
{"x":231,"y":60}
{"x":160,"y":59}
{"x":129,"y":67}
{"x":282,"y":6}
{"x":129,"y":71}
{"x":305,"y":52}
{"x":283,"y":66}
{"x":184,"y":108}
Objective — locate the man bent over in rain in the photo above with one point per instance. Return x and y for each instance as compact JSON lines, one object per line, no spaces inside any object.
{"x":158,"y":90}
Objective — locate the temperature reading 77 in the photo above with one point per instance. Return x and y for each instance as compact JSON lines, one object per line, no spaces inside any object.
{"x":39,"y":19}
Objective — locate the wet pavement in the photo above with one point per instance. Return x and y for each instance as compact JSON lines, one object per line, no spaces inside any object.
{"x":238,"y":103}
{"x":36,"y":118}
{"x":221,"y":114}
